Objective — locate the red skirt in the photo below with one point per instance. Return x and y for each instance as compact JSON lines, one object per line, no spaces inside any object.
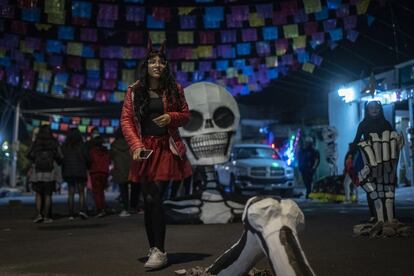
{"x":162,"y":165}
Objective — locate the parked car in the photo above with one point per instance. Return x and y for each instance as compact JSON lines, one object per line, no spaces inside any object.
{"x":256,"y":167}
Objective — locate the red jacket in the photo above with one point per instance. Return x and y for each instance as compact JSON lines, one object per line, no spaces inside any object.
{"x":131,"y":127}
{"x":100,"y":160}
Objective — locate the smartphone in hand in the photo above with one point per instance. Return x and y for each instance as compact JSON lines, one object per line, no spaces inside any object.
{"x":145,"y":154}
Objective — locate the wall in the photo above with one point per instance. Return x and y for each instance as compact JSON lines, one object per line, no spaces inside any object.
{"x":345,"y":118}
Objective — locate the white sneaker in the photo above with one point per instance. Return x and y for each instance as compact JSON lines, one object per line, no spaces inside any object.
{"x":124,"y":213}
{"x":157,"y":259}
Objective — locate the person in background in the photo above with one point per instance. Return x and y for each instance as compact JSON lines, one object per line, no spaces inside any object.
{"x":75,"y":163}
{"x":154,"y":108}
{"x":308,"y":159}
{"x":99,"y":171}
{"x":44,"y":152}
{"x":89,"y":200}
{"x":348,"y":167}
{"x":121,"y":159}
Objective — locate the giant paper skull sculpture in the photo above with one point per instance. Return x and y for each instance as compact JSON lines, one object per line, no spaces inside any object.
{"x":214,"y":118}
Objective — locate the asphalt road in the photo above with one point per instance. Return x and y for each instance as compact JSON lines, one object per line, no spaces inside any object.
{"x":117,"y":246}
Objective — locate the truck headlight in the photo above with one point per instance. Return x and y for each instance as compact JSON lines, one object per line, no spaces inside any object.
{"x":241,"y":171}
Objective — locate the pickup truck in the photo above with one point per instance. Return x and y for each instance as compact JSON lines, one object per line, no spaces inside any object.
{"x":256,"y":167}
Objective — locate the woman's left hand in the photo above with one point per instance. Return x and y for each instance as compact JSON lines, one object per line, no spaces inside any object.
{"x":162,"y":120}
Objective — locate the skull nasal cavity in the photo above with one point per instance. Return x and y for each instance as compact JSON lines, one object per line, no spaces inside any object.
{"x":209,"y":124}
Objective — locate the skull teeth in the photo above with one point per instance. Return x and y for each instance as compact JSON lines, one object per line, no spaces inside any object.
{"x":209,"y":145}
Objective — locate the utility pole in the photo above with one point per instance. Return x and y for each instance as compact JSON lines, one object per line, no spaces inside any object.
{"x":15,"y":146}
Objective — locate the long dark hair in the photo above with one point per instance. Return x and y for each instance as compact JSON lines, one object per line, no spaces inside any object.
{"x":73,"y":138}
{"x":45,"y":137}
{"x":167,"y":84}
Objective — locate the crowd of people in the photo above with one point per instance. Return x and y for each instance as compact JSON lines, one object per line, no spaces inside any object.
{"x":87,"y":167}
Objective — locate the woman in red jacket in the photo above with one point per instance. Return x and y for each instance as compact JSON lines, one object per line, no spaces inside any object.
{"x":154,"y":108}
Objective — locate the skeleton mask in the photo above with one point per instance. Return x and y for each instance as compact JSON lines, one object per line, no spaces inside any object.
{"x":214,"y":119}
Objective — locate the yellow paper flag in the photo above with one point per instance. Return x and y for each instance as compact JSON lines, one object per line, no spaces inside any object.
{"x":299,"y":42}
{"x":3,"y":51}
{"x":92,"y":64}
{"x":43,"y":27}
{"x":128,"y":75}
{"x":39,"y":66}
{"x":205,"y":51}
{"x":23,"y":48}
{"x":308,"y":67}
{"x":271,"y":61}
{"x":242,"y":79}
{"x":126,"y":53}
{"x":56,"y":18}
{"x":291,"y":30}
{"x":231,"y":72}
{"x":256,"y":20}
{"x":362,"y":6}
{"x":157,"y":37}
{"x":185,"y":37}
{"x":187,"y":66}
{"x":54,"y":6}
{"x":312,"y":6}
{"x":185,"y":10}
{"x":45,"y":75}
{"x":74,"y":48}
{"x":119,"y":96}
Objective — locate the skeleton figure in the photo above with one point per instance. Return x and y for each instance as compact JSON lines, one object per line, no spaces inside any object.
{"x":214,"y":118}
{"x":380,"y":154}
{"x":270,"y":230}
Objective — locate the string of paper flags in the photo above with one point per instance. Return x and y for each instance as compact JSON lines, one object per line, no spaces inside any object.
{"x":89,"y":50}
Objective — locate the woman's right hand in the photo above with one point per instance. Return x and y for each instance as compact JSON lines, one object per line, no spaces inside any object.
{"x":136,"y":153}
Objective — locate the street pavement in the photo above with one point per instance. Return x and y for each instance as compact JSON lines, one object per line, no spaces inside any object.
{"x":117,"y":246}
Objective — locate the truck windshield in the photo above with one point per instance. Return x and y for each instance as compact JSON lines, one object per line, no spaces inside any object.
{"x":250,"y":152}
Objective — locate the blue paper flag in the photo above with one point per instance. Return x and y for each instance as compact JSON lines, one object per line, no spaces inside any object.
{"x":5,"y":61}
{"x":214,"y":13}
{"x":81,"y":9}
{"x":92,"y":74}
{"x":302,"y":56}
{"x":188,"y":21}
{"x":239,"y":63}
{"x":245,"y":90}
{"x":333,"y":4}
{"x":197,"y":76}
{"x":54,"y":126}
{"x":211,"y":23}
{"x":248,"y":70}
{"x":87,"y":51}
{"x":323,"y":14}
{"x":336,"y":34}
{"x":270,"y":33}
{"x":243,"y":48}
{"x":222,"y":65}
{"x":130,"y":63}
{"x":370,"y":19}
{"x":115,"y":122}
{"x":31,"y":15}
{"x":39,"y":57}
{"x":153,"y":23}
{"x":272,"y":73}
{"x":54,"y":46}
{"x":66,"y":33}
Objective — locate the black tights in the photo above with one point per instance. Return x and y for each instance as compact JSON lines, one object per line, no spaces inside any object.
{"x":154,"y":213}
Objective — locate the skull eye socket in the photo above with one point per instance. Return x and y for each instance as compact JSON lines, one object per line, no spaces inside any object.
{"x":195,"y":122}
{"x":223,"y":117}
